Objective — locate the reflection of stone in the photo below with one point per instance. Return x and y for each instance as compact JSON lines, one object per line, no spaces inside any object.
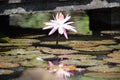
{"x":36,"y":74}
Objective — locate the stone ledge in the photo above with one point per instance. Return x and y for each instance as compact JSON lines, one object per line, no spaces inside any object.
{"x":56,"y":5}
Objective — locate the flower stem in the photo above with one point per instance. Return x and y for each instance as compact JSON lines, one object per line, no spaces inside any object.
{"x":58,"y":36}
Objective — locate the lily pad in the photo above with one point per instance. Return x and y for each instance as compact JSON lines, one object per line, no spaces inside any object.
{"x":36,"y":62}
{"x":83,"y":62}
{"x":27,"y":56}
{"x":13,"y":45}
{"x":118,"y":65}
{"x":21,"y":52}
{"x":58,"y":51}
{"x":24,"y":41}
{"x":10,"y":59}
{"x":103,"y":75}
{"x":47,"y":57}
{"x":115,"y":46}
{"x":117,"y":37}
{"x":77,"y":56}
{"x":112,"y":60}
{"x":115,"y":54}
{"x":81,"y":44}
{"x":104,"y":68}
{"x":110,"y":32}
{"x":104,"y":42}
{"x":98,"y":48}
{"x":54,"y":42}
{"x":96,"y":42}
{"x":8,"y":65}
{"x":4,"y":39}
{"x":6,"y":72}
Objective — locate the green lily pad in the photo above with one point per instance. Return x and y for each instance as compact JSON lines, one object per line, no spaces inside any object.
{"x":98,"y":48}
{"x":104,"y":68}
{"x":10,"y":59}
{"x":115,"y":54}
{"x":104,"y":42}
{"x":110,"y":32}
{"x":47,"y":57}
{"x":96,"y":42}
{"x":103,"y":75}
{"x":81,"y":44}
{"x":21,"y":52}
{"x":8,"y":65}
{"x":24,"y":41}
{"x":13,"y":45}
{"x":112,"y":60}
{"x":58,"y":51}
{"x":117,"y":37}
{"x":32,"y":36}
{"x":27,"y":56}
{"x":83,"y":62}
{"x":77,"y":56}
{"x":115,"y":46}
{"x":36,"y":62}
{"x":6,"y":72}
{"x":5,"y":39}
{"x":118,"y":65}
{"x":54,"y":42}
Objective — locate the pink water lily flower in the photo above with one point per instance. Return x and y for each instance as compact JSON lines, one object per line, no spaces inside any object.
{"x":61,"y":24}
{"x":62,"y":71}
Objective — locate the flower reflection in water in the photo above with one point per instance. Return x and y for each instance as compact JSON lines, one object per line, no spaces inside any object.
{"x":62,"y":71}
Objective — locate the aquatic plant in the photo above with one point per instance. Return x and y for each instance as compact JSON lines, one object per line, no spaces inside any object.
{"x":62,"y":71}
{"x":59,"y":23}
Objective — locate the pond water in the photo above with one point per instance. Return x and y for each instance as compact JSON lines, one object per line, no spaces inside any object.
{"x":25,"y":57}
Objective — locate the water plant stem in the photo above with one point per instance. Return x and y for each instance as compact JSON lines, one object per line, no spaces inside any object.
{"x":58,"y":36}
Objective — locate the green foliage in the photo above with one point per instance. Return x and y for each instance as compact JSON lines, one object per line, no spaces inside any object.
{"x":82,"y":24}
{"x":34,"y":20}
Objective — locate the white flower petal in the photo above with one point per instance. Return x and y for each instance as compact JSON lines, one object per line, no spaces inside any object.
{"x":49,"y":23}
{"x":65,"y":34}
{"x":69,"y":27}
{"x":60,"y":30}
{"x":47,"y":27}
{"x":56,"y":17}
{"x":69,"y":22}
{"x":66,"y":18}
{"x":53,"y":30}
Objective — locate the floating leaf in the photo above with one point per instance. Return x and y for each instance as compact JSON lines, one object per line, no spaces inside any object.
{"x":77,"y":56}
{"x":6,"y":72}
{"x":115,"y":46}
{"x":47,"y":57}
{"x":24,"y":41}
{"x":81,"y":44}
{"x":54,"y":42}
{"x":115,"y":54}
{"x":83,"y":62}
{"x":58,"y":51}
{"x":34,"y":63}
{"x":112,"y":60}
{"x":103,"y":75}
{"x":21,"y":52}
{"x":104,"y":68}
{"x":13,"y":45}
{"x":96,"y":42}
{"x":10,"y":59}
{"x":98,"y":48}
{"x":8,"y":65}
